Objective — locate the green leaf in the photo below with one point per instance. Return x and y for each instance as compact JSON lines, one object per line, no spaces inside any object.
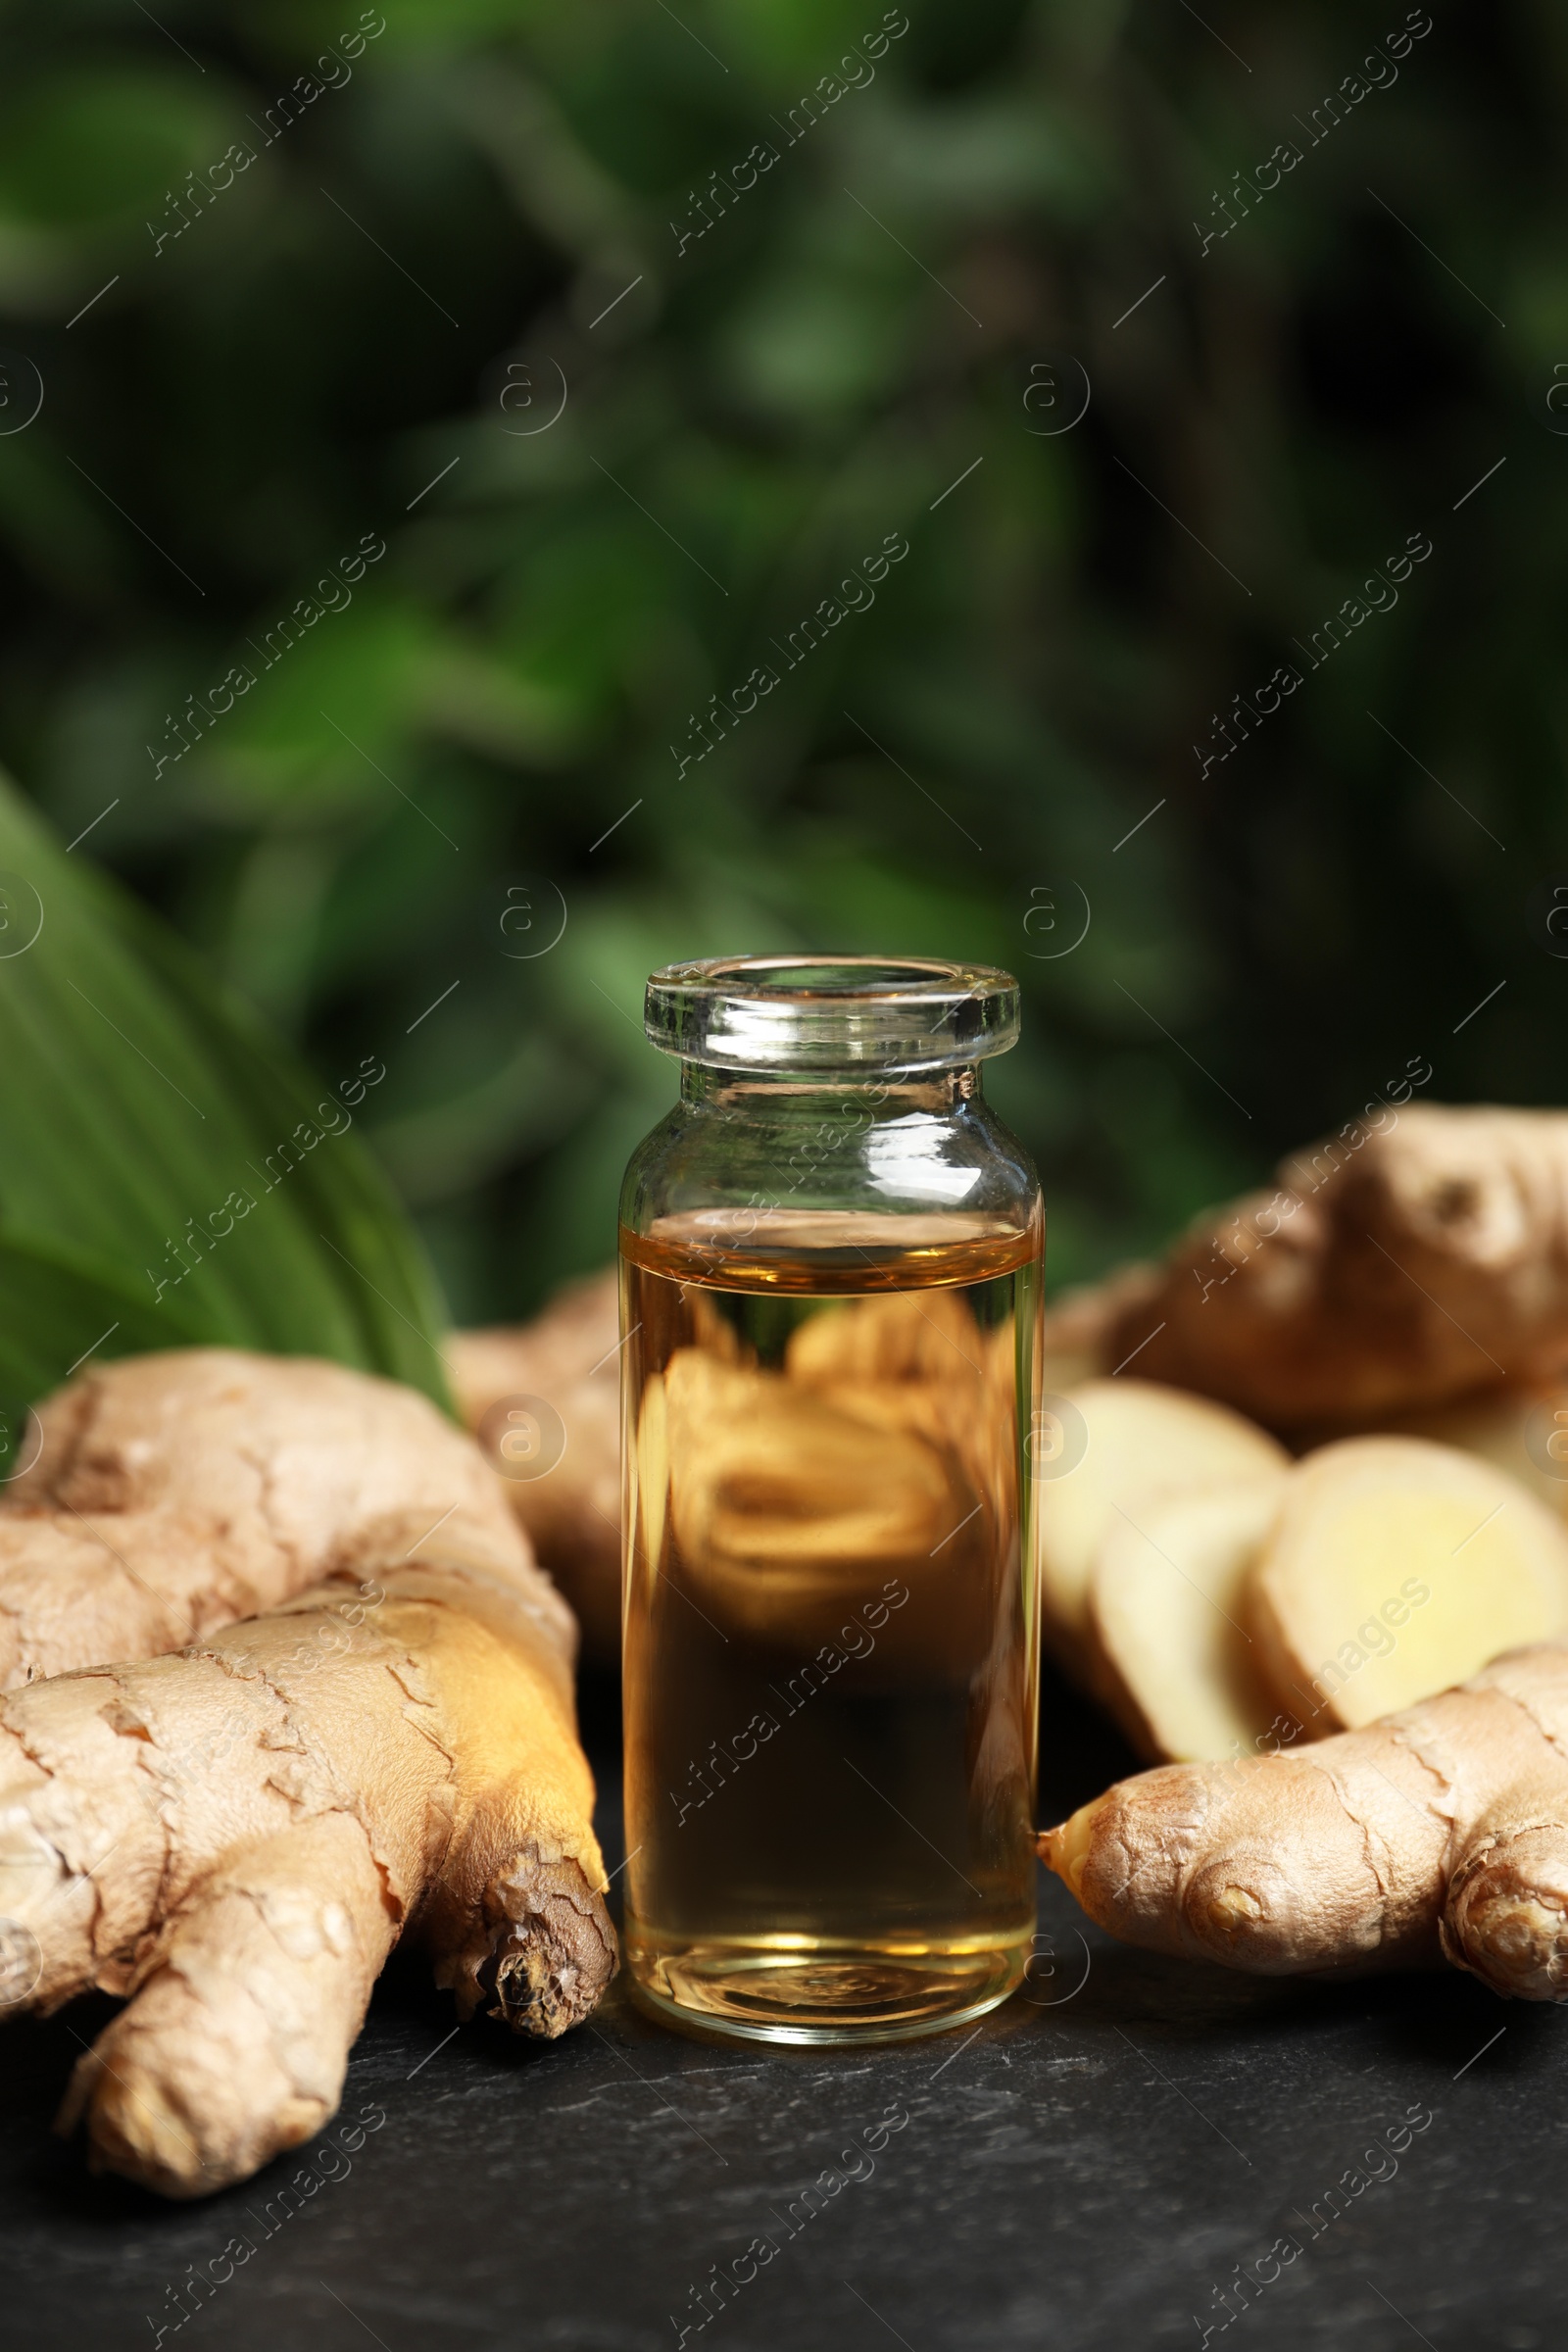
{"x":167,"y":1176}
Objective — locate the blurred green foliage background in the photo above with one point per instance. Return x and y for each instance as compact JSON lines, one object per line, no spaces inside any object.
{"x":468,"y":208}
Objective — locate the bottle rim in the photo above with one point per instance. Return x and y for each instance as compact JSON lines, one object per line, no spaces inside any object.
{"x":803,"y":1012}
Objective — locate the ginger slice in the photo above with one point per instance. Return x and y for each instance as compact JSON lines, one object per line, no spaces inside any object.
{"x":1142,"y":1439}
{"x":1395,"y":1568}
{"x":1168,"y":1607}
{"x":1523,"y":1431}
{"x":1440,"y":1832}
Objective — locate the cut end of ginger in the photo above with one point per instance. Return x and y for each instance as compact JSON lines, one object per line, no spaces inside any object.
{"x":1168,"y":1601}
{"x":1522,"y":1430}
{"x":1143,"y":1439}
{"x":1397,"y":1567}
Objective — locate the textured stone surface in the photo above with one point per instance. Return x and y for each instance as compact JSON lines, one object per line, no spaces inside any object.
{"x":1083,"y":2170}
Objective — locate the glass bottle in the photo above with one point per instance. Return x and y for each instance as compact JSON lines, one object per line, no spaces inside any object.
{"x":831,"y":1258}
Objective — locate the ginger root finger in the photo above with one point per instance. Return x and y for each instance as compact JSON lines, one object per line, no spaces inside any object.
{"x":1395,"y":1568}
{"x":169,"y":1495}
{"x":1395,"y":1269}
{"x":1429,"y":1834}
{"x":1506,"y":1917}
{"x":237,"y":1834}
{"x":1506,"y":1914}
{"x":569,"y":1357}
{"x":236,"y":2045}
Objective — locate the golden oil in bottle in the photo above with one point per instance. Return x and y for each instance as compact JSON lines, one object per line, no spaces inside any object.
{"x":829,"y":1628}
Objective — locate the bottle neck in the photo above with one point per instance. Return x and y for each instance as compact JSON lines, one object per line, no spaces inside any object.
{"x":855,"y":1093}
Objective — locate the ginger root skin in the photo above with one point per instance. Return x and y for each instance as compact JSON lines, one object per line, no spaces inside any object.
{"x":234,"y":1837}
{"x":1440,"y":1832}
{"x":1395,"y":1271}
{"x":175,"y":1492}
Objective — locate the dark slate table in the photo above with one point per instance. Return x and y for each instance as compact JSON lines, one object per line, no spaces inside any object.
{"x":1086,"y":2168}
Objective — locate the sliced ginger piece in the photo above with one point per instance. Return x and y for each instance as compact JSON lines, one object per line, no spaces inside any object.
{"x":1167,"y":1602}
{"x":1397,"y":1567}
{"x":1143,"y":1439}
{"x":1523,"y":1431}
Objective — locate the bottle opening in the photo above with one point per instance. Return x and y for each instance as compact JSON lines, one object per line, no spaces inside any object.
{"x":797,"y":1012}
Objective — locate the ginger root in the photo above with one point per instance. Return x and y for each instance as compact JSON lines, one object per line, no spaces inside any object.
{"x":1397,"y":1269}
{"x":235,"y":1836}
{"x":165,"y":1495}
{"x":1440,"y":1832}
